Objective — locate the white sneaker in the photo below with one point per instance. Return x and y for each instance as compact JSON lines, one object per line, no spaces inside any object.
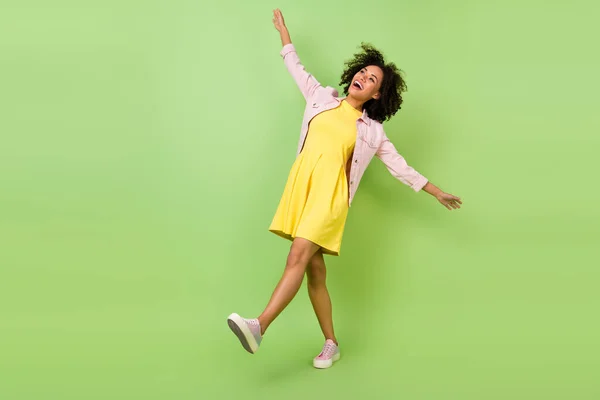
{"x":329,"y":354}
{"x":247,"y":331}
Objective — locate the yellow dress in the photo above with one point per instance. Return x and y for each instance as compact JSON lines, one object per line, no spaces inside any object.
{"x":314,"y":204}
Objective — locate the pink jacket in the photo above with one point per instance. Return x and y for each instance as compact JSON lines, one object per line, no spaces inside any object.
{"x":370,"y":139}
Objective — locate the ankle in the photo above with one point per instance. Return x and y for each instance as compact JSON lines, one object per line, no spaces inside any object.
{"x":263,"y":325}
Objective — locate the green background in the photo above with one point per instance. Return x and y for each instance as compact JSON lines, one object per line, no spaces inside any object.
{"x":143,"y":149}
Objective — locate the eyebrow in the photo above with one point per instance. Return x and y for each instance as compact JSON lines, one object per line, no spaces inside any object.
{"x":377,"y":79}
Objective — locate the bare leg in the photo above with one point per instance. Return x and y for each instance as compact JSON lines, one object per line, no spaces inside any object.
{"x":300,"y":254}
{"x":319,"y":296}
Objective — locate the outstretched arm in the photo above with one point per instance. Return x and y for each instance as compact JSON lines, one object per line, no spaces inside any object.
{"x":306,"y":82}
{"x":406,"y":174}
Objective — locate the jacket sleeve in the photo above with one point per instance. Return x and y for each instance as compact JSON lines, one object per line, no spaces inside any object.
{"x":398,"y":167}
{"x":306,"y":82}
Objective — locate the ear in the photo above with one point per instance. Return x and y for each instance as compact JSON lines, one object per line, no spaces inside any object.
{"x":377,"y":95}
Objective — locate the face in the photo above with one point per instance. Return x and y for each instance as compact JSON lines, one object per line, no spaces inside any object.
{"x":366,"y":83}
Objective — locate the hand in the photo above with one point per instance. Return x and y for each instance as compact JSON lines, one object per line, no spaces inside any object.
{"x":278,"y":20}
{"x":449,"y":201}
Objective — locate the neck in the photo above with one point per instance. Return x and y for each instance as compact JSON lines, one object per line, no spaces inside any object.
{"x":355,"y":103}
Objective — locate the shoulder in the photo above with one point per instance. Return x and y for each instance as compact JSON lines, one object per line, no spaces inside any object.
{"x":323,"y":95}
{"x":326,"y":93}
{"x":376,"y":127}
{"x":373,"y":134}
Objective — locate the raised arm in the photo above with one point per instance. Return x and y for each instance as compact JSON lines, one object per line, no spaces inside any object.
{"x":279,"y":23}
{"x":307,"y":83}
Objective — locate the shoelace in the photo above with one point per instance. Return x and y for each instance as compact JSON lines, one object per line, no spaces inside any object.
{"x":328,"y":350}
{"x":254,"y":325}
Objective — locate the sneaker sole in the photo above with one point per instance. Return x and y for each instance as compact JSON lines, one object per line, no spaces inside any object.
{"x":323,"y":364}
{"x":239,"y":327}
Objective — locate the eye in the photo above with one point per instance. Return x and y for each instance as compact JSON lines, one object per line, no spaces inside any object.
{"x":372,"y":80}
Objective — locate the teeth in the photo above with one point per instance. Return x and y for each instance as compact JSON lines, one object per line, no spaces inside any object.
{"x":358,"y":84}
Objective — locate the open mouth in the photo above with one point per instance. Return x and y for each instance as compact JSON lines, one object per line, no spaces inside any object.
{"x":357,"y":85}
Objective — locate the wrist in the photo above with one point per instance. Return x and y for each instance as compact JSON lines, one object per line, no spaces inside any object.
{"x":433,"y":190}
{"x":285,"y":36}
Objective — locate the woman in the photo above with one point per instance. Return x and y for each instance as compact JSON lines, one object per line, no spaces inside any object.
{"x":339,"y":137}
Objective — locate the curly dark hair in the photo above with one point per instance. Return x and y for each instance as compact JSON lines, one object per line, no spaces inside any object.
{"x":392,"y":85}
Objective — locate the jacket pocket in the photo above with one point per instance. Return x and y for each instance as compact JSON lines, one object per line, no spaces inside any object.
{"x":370,"y":142}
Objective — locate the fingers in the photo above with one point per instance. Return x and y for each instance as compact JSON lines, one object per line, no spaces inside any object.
{"x":278,"y":16}
{"x":452,"y":204}
{"x":276,"y":20}
{"x":450,"y":201}
{"x":448,"y":206}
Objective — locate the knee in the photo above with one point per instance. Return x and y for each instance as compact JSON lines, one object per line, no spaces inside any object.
{"x":295,"y":260}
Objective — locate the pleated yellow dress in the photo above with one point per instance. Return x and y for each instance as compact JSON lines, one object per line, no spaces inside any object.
{"x":314,"y":204}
